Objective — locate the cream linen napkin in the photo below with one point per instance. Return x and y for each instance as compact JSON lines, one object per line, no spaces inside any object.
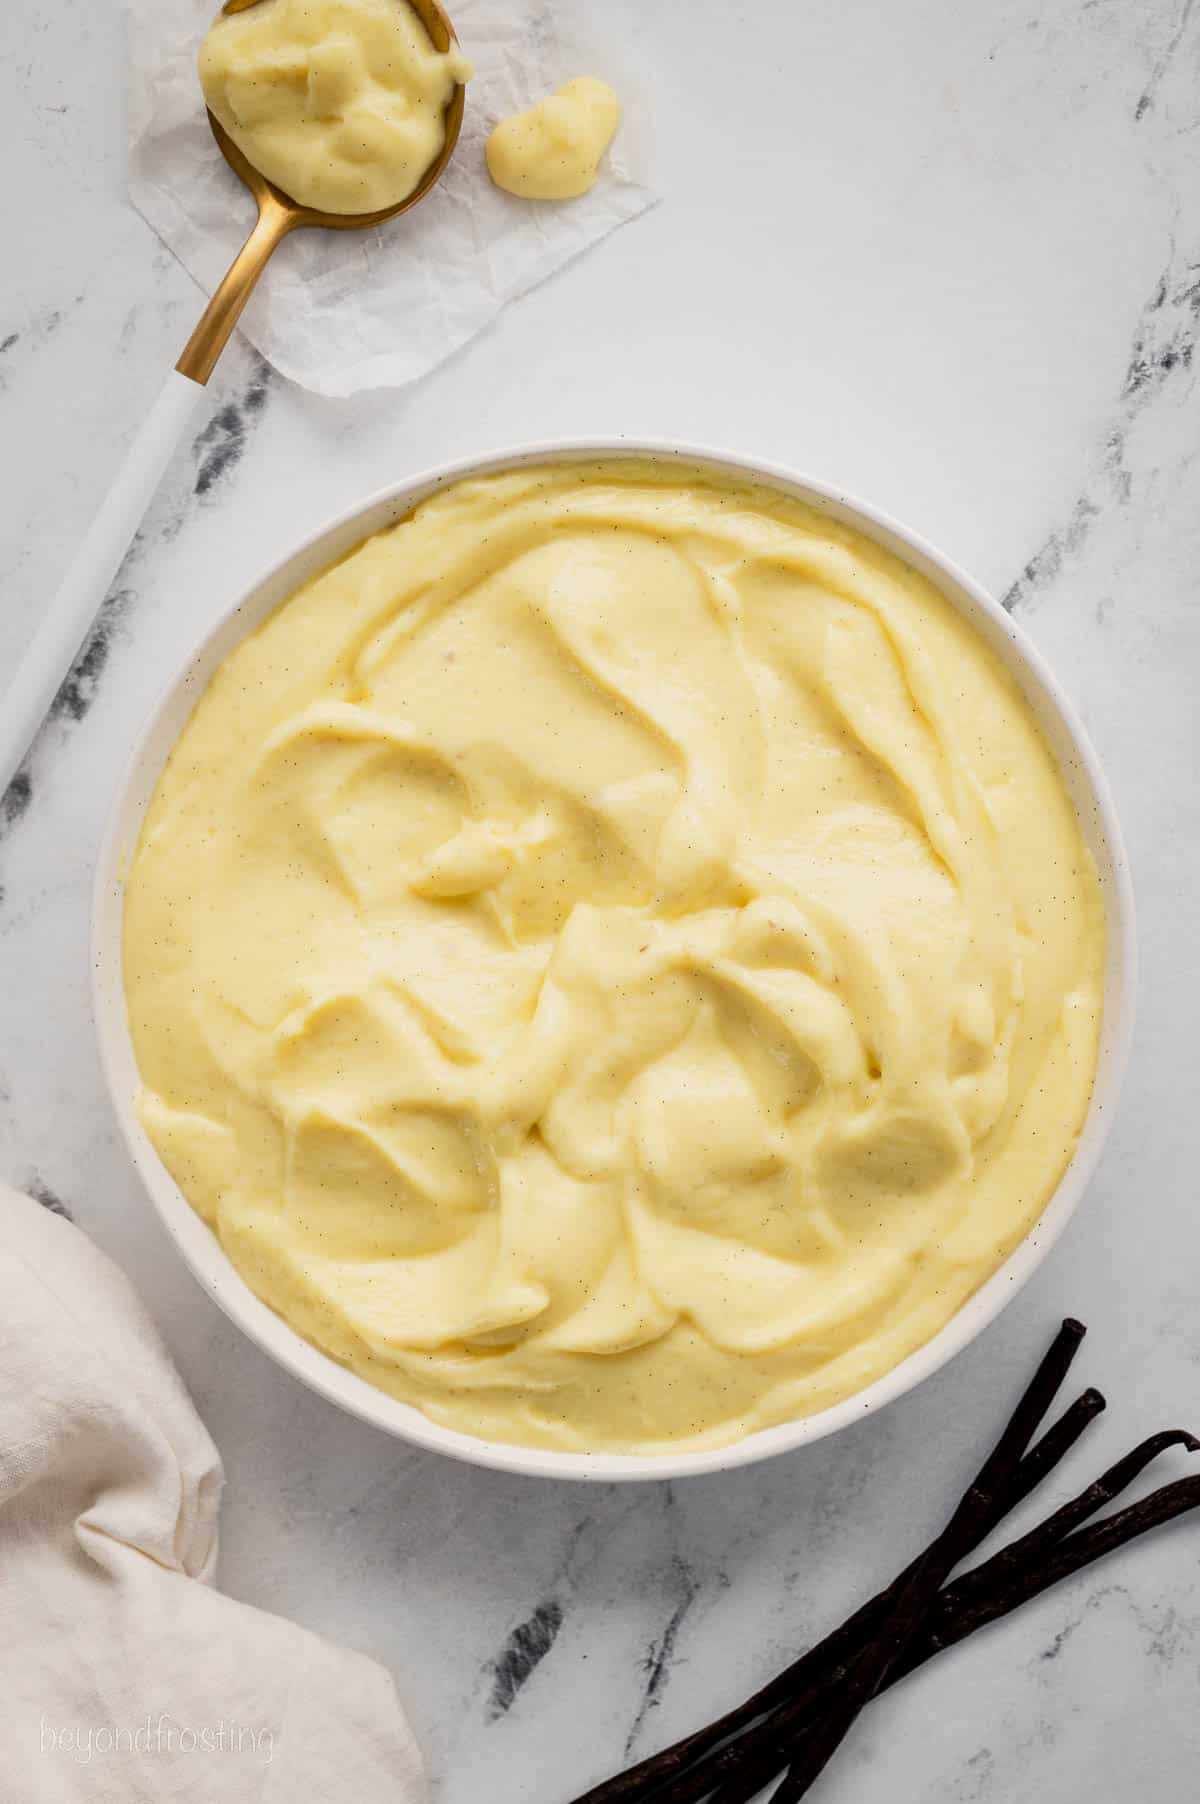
{"x":127,"y":1676}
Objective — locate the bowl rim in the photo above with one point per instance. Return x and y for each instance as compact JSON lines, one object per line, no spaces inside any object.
{"x":202,"y":1251}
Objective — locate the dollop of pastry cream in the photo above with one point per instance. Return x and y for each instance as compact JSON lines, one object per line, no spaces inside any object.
{"x":340,"y":103}
{"x":614,"y":959}
{"x":553,"y":150}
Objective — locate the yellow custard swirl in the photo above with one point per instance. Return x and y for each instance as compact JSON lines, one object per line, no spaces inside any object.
{"x":614,"y":959}
{"x":552,"y":151}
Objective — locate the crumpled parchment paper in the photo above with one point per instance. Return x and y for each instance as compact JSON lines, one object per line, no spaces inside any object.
{"x":340,"y":312}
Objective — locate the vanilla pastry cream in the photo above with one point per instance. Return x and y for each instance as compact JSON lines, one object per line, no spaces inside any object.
{"x":553,"y":150}
{"x":338,"y":102}
{"x":614,"y":959}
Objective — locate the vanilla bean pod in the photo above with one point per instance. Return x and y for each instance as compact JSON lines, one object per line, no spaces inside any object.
{"x":674,"y":1775}
{"x":1047,"y":1554}
{"x":917,"y":1595}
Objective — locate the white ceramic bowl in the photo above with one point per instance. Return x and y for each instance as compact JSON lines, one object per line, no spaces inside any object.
{"x":199,"y":1245}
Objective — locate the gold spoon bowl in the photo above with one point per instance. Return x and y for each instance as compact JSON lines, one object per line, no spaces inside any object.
{"x":279,"y":214}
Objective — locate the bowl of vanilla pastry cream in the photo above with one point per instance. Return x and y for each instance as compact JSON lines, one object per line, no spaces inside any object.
{"x":613,"y":961}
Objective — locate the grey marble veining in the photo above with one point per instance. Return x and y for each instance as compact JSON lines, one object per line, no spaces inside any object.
{"x":948,"y":257}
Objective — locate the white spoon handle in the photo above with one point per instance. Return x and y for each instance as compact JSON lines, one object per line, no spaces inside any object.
{"x":64,"y":626}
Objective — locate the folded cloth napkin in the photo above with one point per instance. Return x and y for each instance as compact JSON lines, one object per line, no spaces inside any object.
{"x":127,"y":1676}
{"x":340,"y":312}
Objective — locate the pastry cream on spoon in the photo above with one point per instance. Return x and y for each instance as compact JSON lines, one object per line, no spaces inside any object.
{"x":340,"y":103}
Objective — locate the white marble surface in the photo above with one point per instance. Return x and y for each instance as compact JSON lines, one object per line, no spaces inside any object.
{"x":949,"y":257}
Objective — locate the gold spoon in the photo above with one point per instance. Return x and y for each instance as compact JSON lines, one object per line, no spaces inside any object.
{"x":279,"y":214}
{"x":66,"y":621}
